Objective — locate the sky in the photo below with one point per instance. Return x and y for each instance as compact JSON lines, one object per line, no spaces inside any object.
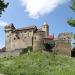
{"x":35,"y":12}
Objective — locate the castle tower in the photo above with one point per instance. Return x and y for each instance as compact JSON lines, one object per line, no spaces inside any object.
{"x":8,"y":36}
{"x":38,"y":40}
{"x":45,"y":28}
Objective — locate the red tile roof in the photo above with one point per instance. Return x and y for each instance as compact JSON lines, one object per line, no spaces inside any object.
{"x":50,"y":37}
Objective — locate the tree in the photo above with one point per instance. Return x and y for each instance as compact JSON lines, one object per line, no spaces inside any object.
{"x":3,"y":5}
{"x":71,"y":21}
{"x":49,"y":46}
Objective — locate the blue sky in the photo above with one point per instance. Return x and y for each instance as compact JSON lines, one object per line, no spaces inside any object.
{"x":21,"y":14}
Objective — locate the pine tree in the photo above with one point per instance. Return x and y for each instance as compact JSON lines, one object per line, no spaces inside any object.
{"x":71,"y":21}
{"x":3,"y":5}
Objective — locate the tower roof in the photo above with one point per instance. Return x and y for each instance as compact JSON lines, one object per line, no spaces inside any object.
{"x":50,"y":37}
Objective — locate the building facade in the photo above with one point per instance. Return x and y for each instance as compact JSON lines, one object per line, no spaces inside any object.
{"x":24,"y":37}
{"x":33,"y":37}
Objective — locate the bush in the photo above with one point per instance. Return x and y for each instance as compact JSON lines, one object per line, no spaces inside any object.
{"x":71,"y":22}
{"x":49,"y":46}
{"x":25,"y":50}
{"x":73,"y":52}
{"x":30,"y":48}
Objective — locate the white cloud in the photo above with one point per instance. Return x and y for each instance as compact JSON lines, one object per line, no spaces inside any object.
{"x":3,"y":23}
{"x":37,"y":8}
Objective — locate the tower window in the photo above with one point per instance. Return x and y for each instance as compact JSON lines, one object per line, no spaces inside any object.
{"x":24,"y":31}
{"x":25,"y":37}
{"x":14,"y":38}
{"x":18,"y":37}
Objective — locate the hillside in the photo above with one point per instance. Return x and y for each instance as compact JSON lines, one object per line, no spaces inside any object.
{"x":37,"y":63}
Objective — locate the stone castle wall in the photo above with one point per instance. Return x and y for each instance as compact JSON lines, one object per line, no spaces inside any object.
{"x":31,"y":36}
{"x":24,"y":37}
{"x":38,"y":40}
{"x":63,"y":47}
{"x":63,"y":43}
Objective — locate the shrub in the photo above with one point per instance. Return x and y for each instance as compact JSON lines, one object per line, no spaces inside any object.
{"x":73,"y":52}
{"x":30,"y":48}
{"x":49,"y":46}
{"x":25,"y":50}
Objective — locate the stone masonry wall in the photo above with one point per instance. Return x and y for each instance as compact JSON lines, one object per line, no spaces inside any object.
{"x":63,"y":46}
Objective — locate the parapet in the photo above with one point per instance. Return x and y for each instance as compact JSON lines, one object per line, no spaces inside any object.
{"x":9,"y":26}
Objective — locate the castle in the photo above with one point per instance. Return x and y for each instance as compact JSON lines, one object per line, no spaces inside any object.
{"x":24,"y":37}
{"x":33,"y":37}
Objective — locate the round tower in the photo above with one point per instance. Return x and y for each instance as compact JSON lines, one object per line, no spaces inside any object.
{"x":45,"y":27}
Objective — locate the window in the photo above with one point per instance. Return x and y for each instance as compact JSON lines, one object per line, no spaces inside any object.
{"x":30,"y":31}
{"x":25,"y":37}
{"x":18,"y":37}
{"x":24,"y":31}
{"x":14,"y":38}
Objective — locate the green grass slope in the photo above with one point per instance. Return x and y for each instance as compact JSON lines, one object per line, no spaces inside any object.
{"x":38,"y":63}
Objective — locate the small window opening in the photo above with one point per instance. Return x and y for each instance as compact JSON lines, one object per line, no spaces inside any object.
{"x":14,"y":38}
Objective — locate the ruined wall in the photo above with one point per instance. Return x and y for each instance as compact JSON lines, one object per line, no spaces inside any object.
{"x":65,"y":36}
{"x":63,"y":43}
{"x":63,"y":47}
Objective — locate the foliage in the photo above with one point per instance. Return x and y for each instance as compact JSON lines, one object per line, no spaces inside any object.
{"x":74,"y":35}
{"x":73,"y":5}
{"x":30,"y":48}
{"x":71,"y":21}
{"x":48,"y":46}
{"x":3,"y":6}
{"x":25,"y":50}
{"x":73,"y":52}
{"x":38,"y":63}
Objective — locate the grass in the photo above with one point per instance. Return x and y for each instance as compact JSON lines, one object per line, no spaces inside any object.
{"x":38,"y":63}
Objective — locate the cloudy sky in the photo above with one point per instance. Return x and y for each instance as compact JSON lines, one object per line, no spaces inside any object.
{"x":35,"y":12}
